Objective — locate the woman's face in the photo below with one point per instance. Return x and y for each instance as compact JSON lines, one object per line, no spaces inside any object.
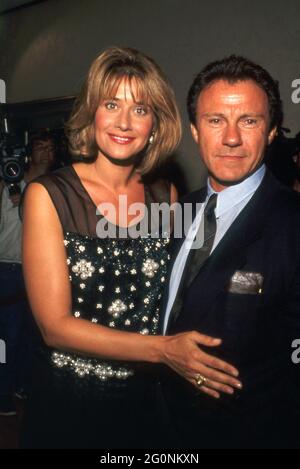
{"x":123,"y":124}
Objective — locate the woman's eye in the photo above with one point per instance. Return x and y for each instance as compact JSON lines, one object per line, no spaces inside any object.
{"x":141,"y":110}
{"x":110,"y":105}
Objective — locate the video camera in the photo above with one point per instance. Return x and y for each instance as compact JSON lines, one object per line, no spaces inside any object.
{"x":12,"y":158}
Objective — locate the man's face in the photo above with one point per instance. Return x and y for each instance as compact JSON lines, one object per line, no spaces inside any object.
{"x":232,"y":130}
{"x":43,"y":152}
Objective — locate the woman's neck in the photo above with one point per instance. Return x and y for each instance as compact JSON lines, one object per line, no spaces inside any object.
{"x":112,"y":175}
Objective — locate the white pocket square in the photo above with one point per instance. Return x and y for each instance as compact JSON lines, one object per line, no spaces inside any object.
{"x":249,"y":283}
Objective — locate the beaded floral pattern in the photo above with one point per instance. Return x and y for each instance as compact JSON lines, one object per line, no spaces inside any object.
{"x":116,"y":283}
{"x":84,"y":269}
{"x":150,"y":268}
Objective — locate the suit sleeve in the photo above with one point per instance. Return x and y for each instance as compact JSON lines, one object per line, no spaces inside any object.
{"x":292,"y":308}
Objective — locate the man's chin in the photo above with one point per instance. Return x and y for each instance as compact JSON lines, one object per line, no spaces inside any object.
{"x":229,"y":181}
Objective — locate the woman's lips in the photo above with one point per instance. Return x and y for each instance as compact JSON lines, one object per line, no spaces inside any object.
{"x":121,"y":140}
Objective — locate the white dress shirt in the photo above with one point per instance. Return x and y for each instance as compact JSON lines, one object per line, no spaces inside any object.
{"x":231,"y":201}
{"x":10,"y":229}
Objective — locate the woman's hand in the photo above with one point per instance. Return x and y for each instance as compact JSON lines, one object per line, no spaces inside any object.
{"x":182,"y":353}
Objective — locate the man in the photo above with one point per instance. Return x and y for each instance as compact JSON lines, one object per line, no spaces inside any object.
{"x":243,"y":284}
{"x":13,"y":304}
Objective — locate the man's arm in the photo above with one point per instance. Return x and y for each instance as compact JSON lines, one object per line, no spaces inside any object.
{"x":292,"y":299}
{"x":293,"y":316}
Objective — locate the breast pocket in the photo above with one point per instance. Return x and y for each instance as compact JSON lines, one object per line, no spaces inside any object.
{"x":243,"y":314}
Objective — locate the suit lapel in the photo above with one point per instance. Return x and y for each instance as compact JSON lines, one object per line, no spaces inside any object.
{"x":230,"y":254}
{"x":177,"y":242}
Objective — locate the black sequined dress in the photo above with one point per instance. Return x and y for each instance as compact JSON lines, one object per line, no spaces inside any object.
{"x":83,"y":402}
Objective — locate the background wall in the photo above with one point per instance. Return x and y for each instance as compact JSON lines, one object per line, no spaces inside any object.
{"x":46,"y":48}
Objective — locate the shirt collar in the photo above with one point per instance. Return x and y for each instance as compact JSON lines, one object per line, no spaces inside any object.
{"x":233,"y":195}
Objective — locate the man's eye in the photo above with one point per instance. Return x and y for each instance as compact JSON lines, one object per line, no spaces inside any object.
{"x":214,"y":121}
{"x":250,"y":121}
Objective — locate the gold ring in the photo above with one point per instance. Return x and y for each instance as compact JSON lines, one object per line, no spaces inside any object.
{"x":200,"y":380}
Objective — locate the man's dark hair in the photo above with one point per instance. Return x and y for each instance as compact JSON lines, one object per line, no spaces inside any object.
{"x":232,"y":69}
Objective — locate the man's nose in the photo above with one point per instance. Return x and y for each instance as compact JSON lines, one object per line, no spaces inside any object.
{"x":232,"y":136}
{"x":124,"y":120}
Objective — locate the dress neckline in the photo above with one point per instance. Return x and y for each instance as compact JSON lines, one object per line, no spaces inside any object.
{"x":146,"y":198}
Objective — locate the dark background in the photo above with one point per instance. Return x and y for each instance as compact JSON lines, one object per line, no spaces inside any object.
{"x":46,"y":47}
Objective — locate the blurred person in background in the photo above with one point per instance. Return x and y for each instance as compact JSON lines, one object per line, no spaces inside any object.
{"x":282,"y":159}
{"x":13,"y":303}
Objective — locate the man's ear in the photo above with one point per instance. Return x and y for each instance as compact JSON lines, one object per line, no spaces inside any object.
{"x":272,"y":135}
{"x":195,"y":133}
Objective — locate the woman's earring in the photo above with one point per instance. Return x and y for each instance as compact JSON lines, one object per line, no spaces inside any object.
{"x":151,"y":139}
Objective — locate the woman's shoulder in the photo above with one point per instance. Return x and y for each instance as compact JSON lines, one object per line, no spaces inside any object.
{"x":62,"y":174}
{"x":159,"y":188}
{"x":59,"y":184}
{"x":64,"y":189}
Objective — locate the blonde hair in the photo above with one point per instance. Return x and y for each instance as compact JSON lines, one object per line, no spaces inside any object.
{"x":103,"y":79}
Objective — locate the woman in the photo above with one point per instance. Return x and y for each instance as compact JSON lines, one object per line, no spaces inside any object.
{"x":96,"y":299}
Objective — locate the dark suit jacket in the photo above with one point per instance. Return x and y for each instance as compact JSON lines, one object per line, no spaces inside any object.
{"x":257,"y":322}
